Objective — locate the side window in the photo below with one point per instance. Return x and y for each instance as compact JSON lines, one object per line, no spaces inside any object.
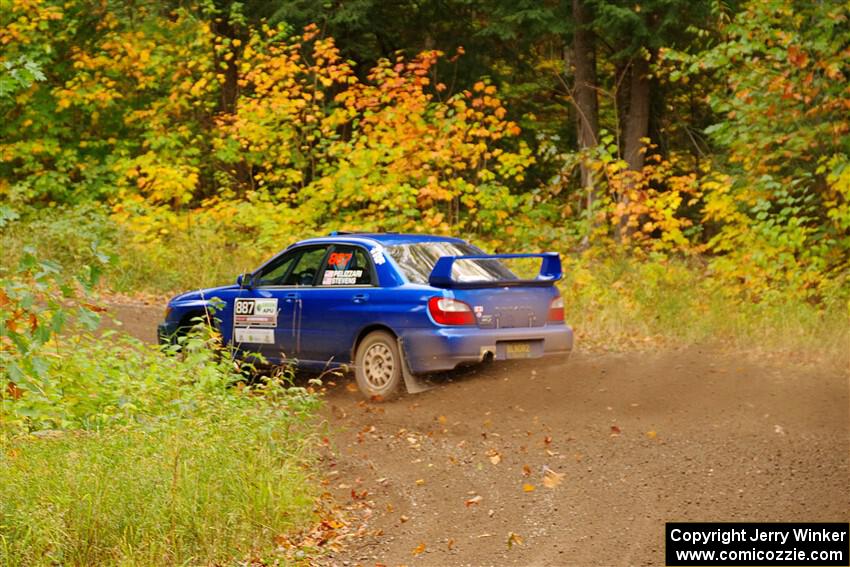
{"x":306,"y":267}
{"x":277,"y":270}
{"x":347,"y":265}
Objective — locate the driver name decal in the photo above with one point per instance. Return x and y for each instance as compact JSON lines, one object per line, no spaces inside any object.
{"x":341,"y":277}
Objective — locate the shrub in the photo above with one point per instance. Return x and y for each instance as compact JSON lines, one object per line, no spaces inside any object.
{"x":204,"y":488}
{"x":114,"y":452}
{"x":617,"y":300}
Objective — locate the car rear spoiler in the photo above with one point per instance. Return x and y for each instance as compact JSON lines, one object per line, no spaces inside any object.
{"x":550,"y":271}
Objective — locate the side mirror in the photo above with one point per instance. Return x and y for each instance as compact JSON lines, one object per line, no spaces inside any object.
{"x":244,"y":280}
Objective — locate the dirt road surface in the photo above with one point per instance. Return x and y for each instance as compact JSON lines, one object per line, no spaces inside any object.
{"x":582,"y":463}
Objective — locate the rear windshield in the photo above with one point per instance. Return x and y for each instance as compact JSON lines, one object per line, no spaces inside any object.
{"x":417,"y":260}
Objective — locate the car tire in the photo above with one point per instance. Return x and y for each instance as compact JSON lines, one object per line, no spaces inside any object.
{"x":378,"y":366}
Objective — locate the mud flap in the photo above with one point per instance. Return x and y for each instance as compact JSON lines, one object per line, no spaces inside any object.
{"x":413,"y":384}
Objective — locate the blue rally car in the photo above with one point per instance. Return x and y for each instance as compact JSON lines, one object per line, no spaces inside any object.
{"x":392,"y":306}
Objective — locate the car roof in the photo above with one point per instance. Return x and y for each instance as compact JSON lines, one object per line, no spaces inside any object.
{"x":382,"y":238}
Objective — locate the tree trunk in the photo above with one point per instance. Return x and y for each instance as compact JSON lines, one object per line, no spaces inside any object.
{"x":637,"y":120}
{"x":230,"y":87}
{"x":584,"y":60}
{"x":584,"y":93}
{"x":635,"y":131}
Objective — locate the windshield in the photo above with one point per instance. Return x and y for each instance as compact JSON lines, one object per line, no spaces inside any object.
{"x":416,"y":262}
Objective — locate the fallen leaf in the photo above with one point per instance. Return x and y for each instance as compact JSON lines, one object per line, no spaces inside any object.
{"x":332,"y":524}
{"x":651,"y":434}
{"x":95,"y":308}
{"x":547,"y":440}
{"x":526,"y":470}
{"x":442,"y":419}
{"x":351,"y":387}
{"x":419,"y":549}
{"x":514,"y":539}
{"x":552,"y":479}
{"x":528,"y":487}
{"x":420,"y":481}
{"x":495,"y":458}
{"x":450,"y":544}
{"x":615,"y":430}
{"x":474,"y":500}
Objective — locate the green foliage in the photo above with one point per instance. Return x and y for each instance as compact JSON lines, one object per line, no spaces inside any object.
{"x":211,"y":135}
{"x":616,"y":301}
{"x":72,"y":236}
{"x":18,"y":74}
{"x":39,"y":300}
{"x":783,"y":212}
{"x":121,"y":89}
{"x":215,"y":485}
{"x":58,"y":380}
{"x":114,"y":452}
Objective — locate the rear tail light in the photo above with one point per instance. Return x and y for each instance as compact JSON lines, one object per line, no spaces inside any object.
{"x":556,"y":309}
{"x":447,"y":311}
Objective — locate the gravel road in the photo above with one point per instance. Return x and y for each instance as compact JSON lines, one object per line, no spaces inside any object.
{"x":581,"y":463}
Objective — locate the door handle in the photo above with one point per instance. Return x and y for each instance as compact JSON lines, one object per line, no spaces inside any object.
{"x":360,"y":298}
{"x":290,"y":297}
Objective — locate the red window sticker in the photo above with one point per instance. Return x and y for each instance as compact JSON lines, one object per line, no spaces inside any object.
{"x":339,"y":260}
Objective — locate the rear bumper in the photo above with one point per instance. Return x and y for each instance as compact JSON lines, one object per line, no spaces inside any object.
{"x":444,"y":348}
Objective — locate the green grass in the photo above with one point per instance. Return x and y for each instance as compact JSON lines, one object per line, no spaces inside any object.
{"x":196,"y":257}
{"x":621,"y":301}
{"x":188,"y":257}
{"x":117,"y":454}
{"x":209,"y":490}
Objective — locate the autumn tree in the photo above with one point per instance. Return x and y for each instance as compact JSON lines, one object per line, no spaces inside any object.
{"x":783,"y":213}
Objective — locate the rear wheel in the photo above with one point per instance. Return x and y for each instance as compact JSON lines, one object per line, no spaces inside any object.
{"x":378,"y":365}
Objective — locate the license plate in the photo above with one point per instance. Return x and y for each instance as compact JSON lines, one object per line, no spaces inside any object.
{"x":518,"y":350}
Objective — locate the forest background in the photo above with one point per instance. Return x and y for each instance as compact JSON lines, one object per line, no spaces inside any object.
{"x":689,"y":160}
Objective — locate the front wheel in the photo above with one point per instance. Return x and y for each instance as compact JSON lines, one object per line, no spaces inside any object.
{"x":378,"y":365}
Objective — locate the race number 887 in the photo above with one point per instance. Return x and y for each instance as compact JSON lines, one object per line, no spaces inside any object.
{"x":244,"y":307}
